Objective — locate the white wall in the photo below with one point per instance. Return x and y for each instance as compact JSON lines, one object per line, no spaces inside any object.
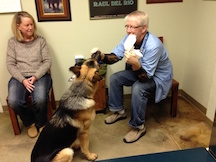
{"x":187,"y":29}
{"x":199,"y":72}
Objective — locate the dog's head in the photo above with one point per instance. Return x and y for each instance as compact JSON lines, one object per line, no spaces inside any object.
{"x":87,"y":71}
{"x":81,"y":93}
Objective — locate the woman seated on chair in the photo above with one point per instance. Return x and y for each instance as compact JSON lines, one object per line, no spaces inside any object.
{"x":28,"y":62}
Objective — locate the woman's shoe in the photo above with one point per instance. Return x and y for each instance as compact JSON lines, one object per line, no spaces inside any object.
{"x":40,"y":129}
{"x":32,"y":131}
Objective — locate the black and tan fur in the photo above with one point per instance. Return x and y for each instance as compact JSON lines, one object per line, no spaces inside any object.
{"x":70,"y":125}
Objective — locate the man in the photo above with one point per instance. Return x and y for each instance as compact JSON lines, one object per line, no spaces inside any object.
{"x":148,"y":75}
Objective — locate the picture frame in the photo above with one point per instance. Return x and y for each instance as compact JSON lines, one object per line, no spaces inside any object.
{"x":162,"y":1}
{"x":109,"y":9}
{"x":53,"y":10}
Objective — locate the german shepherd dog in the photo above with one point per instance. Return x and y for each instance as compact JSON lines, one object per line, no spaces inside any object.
{"x":69,"y":126}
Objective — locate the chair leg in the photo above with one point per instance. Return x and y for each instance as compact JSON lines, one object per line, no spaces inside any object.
{"x":51,"y":104}
{"x":52,"y":99}
{"x":14,"y":121}
{"x":49,"y":110}
{"x":174,"y":99}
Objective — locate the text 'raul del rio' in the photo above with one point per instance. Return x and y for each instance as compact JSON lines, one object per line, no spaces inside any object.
{"x":113,"y":3}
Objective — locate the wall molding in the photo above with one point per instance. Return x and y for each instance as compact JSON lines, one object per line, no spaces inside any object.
{"x":197,"y":105}
{"x":181,"y":93}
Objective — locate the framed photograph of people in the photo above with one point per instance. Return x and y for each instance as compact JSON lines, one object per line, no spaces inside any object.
{"x":53,"y":10}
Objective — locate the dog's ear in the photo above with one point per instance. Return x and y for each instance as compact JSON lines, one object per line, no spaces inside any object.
{"x":96,"y":77}
{"x":75,"y":70}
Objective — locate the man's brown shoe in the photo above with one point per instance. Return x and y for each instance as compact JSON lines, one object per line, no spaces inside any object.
{"x":115,"y":117}
{"x":134,"y":135}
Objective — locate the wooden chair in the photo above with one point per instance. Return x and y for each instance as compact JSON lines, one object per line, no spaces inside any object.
{"x":14,"y":116}
{"x":174,"y":98}
{"x":100,"y":97}
{"x":174,"y":94}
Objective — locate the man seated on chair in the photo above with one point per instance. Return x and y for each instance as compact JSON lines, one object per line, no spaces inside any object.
{"x":148,"y":72}
{"x":28,"y":61}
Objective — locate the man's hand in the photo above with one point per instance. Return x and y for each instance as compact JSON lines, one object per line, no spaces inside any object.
{"x":28,"y":84}
{"x":97,"y":54}
{"x":132,"y":59}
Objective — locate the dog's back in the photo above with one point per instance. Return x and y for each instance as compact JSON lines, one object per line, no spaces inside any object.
{"x":54,"y":137}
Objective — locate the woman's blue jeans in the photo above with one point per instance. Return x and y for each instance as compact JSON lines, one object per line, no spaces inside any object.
{"x":17,"y":99}
{"x":139,"y":95}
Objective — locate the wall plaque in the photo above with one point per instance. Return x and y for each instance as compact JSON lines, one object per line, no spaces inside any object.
{"x":100,"y":9}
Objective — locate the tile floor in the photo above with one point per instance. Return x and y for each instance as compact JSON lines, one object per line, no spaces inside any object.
{"x":164,"y":133}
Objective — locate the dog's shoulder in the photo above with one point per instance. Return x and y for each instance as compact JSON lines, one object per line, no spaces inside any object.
{"x":78,"y":97}
{"x":76,"y":118}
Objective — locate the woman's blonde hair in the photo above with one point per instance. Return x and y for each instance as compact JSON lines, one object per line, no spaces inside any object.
{"x":141,"y":17}
{"x":17,"y":20}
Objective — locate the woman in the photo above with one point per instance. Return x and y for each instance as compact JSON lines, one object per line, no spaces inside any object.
{"x":28,"y":62}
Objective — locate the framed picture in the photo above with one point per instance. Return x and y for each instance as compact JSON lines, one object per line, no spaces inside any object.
{"x":53,"y":10}
{"x":162,"y":1}
{"x":102,"y":9}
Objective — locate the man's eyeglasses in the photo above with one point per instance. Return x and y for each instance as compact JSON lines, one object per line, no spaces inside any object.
{"x":131,"y":27}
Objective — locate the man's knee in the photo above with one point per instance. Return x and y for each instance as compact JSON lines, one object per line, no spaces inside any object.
{"x":138,"y":90}
{"x":113,"y":78}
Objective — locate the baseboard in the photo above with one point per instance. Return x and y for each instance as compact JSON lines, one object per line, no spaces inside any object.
{"x":193,"y":101}
{"x":5,"y":108}
{"x":190,"y":99}
{"x":181,"y":93}
{"x":197,"y":105}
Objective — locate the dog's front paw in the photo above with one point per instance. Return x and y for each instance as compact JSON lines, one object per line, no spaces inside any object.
{"x":92,"y":156}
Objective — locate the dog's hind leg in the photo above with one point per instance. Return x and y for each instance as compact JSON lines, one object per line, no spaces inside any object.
{"x":65,"y":155}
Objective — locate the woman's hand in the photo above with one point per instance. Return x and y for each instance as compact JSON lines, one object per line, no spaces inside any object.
{"x":32,"y":79}
{"x":28,"y":84}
